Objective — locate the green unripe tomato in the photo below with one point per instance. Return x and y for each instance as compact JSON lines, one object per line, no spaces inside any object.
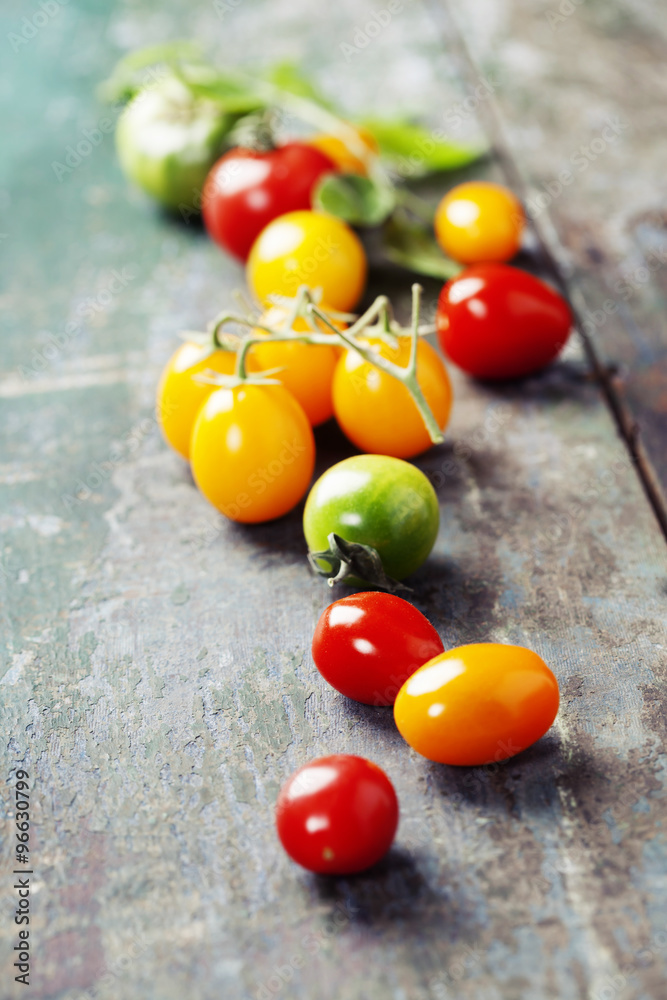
{"x":167,"y":140}
{"x":377,"y":501}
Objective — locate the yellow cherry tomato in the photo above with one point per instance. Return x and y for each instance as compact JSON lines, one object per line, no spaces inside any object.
{"x":180,"y":396}
{"x":308,"y":248}
{"x":347,"y":160}
{"x":477,"y":704}
{"x":252,"y":452}
{"x":479,"y":222}
{"x":377,"y":412}
{"x":307,"y":369}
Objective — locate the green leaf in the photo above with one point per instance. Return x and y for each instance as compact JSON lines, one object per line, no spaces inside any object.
{"x":233,"y":96}
{"x":414,"y":150}
{"x":289,"y":77}
{"x":411,"y":246}
{"x":359,"y":200}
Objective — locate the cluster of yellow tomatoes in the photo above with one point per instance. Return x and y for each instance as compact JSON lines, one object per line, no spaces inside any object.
{"x":241,"y":406}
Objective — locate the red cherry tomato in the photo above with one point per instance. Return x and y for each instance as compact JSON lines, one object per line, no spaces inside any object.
{"x":367,"y":645}
{"x":495,"y":322}
{"x":246,"y":190}
{"x":337,"y":815}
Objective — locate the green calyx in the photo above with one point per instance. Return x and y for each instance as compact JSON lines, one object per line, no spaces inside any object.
{"x":353,"y":562}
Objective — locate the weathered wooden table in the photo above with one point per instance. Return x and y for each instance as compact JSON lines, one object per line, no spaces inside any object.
{"x":156,"y":680}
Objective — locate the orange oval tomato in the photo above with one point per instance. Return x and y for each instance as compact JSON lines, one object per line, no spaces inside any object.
{"x":347,"y":160}
{"x":252,"y":452}
{"x":377,"y":412}
{"x":307,"y":368}
{"x":479,"y":222}
{"x":308,"y":248}
{"x":477,"y":704}
{"x":180,"y":396}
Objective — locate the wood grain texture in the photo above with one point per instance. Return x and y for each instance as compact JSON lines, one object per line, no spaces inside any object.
{"x":156,"y":674}
{"x":581,"y":89}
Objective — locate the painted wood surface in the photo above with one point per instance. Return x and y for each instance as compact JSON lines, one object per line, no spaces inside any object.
{"x":581,"y":88}
{"x":156,"y":676}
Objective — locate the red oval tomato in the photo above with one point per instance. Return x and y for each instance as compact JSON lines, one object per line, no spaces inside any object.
{"x":477,"y":704}
{"x":496,"y":322}
{"x":337,"y":815}
{"x":368,"y":644}
{"x":246,"y":189}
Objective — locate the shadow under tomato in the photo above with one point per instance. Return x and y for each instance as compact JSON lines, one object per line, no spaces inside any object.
{"x":461,"y":603}
{"x":284,"y":536}
{"x":526,"y":783}
{"x":393,"y":891}
{"x":187,"y":219}
{"x":379,"y":717}
{"x":564,"y":380}
{"x":331,"y":446}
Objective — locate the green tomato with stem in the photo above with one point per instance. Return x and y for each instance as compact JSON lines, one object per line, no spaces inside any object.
{"x":370,"y":519}
{"x":167,"y":140}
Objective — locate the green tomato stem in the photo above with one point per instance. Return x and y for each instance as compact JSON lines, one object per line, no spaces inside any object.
{"x":407,"y":375}
{"x":376,"y":321}
{"x":414,"y":331}
{"x":241,"y":358}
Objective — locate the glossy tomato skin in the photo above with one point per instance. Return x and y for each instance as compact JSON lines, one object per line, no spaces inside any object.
{"x":307,"y":370}
{"x":252,"y":452}
{"x":497,"y":322}
{"x":479,"y":222}
{"x":246,"y":189}
{"x":376,"y":411}
{"x":337,"y":815}
{"x":368,"y":644}
{"x":308,"y":248}
{"x":379,"y":501}
{"x":180,"y":396}
{"x":477,"y":704}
